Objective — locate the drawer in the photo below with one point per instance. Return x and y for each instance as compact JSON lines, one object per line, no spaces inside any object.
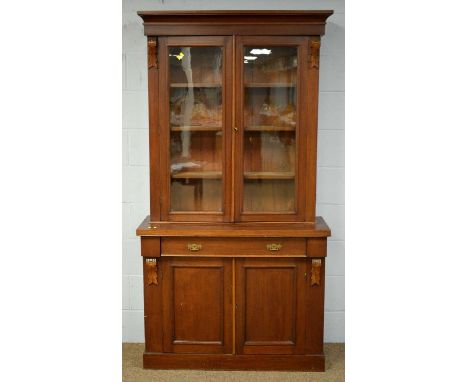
{"x":235,"y":247}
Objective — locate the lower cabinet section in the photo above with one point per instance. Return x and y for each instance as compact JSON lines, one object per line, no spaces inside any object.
{"x":234,"y":313}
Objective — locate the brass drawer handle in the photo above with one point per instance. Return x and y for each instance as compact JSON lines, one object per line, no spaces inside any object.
{"x":194,"y":247}
{"x":274,"y":247}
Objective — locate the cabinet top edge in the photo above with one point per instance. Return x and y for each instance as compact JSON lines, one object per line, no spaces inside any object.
{"x":251,"y":229}
{"x":245,"y":22}
{"x":323,"y":13}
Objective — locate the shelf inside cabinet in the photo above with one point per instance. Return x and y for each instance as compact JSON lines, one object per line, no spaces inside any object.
{"x":269,"y":85}
{"x":274,"y":175}
{"x":195,"y":85}
{"x":269,"y":128}
{"x":196,"y":128}
{"x":197,"y":175}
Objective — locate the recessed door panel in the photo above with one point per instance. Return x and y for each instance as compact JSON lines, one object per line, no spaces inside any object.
{"x":270,"y":303}
{"x":197,"y":305}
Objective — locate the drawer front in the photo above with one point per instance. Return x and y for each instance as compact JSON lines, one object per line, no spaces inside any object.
{"x":233,"y":247}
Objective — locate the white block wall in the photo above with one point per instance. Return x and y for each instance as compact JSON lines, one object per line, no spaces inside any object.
{"x":330,"y":176}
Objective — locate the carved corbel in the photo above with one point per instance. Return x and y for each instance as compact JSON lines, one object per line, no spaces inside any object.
{"x":152,"y":271}
{"x":315,"y":272}
{"x":152,"y":52}
{"x":314,"y":54}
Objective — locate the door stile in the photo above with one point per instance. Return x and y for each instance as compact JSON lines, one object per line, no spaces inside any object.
{"x":311,"y":115}
{"x":153,"y":91}
{"x":238,"y":130}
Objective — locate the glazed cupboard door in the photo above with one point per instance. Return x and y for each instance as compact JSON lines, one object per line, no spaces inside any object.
{"x":197,"y":305}
{"x":270,"y":306}
{"x":195,"y":130}
{"x":271,"y":99}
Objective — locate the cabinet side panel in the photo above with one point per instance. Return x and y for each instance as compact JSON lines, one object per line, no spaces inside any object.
{"x":315,"y":308}
{"x":153,"y":309}
{"x":154,"y":143}
{"x":311,"y":115}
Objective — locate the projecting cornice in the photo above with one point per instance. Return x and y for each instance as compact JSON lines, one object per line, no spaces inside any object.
{"x":199,"y":23}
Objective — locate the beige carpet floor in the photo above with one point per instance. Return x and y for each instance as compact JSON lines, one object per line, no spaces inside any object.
{"x":133,"y":371}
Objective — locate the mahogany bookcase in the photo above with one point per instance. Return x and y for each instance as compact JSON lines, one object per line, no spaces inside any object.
{"x":233,"y":253}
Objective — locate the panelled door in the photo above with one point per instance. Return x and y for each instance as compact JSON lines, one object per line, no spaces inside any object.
{"x":195,"y":81}
{"x":270,"y":301}
{"x":271,"y":123}
{"x":197,"y":305}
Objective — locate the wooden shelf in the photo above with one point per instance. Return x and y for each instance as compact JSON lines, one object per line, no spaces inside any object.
{"x":197,"y":175}
{"x":269,"y":85}
{"x":269,"y":128}
{"x":274,"y":175}
{"x":196,"y":128}
{"x":248,"y":229}
{"x":195,"y":85}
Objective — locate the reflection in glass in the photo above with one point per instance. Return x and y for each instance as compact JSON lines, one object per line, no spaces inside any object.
{"x":270,"y":117}
{"x":195,"y":75}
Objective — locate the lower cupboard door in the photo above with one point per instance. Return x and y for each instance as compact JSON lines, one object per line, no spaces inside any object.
{"x":197,"y":305}
{"x":270,"y":306}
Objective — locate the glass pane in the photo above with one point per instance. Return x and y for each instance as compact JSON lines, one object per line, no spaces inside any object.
{"x":196,"y":122}
{"x":270,"y":118}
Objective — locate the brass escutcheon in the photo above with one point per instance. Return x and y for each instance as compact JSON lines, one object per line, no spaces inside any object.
{"x":274,"y":247}
{"x":194,"y":247}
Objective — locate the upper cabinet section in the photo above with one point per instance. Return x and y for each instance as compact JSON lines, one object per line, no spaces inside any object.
{"x":233,"y":103}
{"x":248,"y":23}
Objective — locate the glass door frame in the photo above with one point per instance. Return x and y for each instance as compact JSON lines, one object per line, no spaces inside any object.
{"x":164,"y":129}
{"x":303,"y":105}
